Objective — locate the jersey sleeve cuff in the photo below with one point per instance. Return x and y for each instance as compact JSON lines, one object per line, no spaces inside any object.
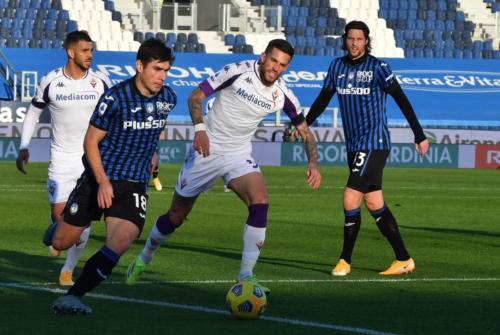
{"x":206,"y":88}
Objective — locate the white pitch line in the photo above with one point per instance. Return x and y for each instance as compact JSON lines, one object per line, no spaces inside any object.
{"x":18,"y":187}
{"x":292,"y":281}
{"x":202,"y":309}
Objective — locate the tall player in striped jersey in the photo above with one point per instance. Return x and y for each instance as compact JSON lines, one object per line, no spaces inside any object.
{"x":362,"y":83}
{"x":119,"y":145}
{"x":246,"y":92}
{"x":70,"y":93}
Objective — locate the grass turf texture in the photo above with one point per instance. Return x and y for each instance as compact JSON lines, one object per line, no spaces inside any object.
{"x":449,"y":220}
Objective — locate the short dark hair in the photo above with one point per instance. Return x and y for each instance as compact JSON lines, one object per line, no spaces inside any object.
{"x":154,"y":49}
{"x":282,"y":45}
{"x":75,"y":37}
{"x":361,"y":26}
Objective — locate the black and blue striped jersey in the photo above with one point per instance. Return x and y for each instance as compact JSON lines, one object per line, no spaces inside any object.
{"x":133,"y":124}
{"x":362,"y":86}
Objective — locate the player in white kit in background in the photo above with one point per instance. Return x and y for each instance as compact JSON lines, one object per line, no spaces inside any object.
{"x":247,"y":92}
{"x":71,"y":93}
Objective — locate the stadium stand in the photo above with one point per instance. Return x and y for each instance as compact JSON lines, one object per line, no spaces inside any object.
{"x":400,"y":28}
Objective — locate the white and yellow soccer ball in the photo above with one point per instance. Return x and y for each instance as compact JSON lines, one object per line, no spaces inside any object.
{"x":246,"y":300}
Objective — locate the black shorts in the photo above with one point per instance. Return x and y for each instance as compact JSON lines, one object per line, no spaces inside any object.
{"x":129,"y":203}
{"x":366,"y":169}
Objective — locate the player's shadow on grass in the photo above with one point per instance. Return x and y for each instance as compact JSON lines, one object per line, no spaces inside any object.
{"x":467,"y":232}
{"x":235,"y":254}
{"x":24,"y":267}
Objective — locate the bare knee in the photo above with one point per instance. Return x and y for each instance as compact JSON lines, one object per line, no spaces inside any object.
{"x":374,"y":201}
{"x":352,"y":199}
{"x":61,"y":243}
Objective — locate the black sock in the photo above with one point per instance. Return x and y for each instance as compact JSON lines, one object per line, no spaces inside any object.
{"x":96,"y":269}
{"x":388,"y":226}
{"x":352,"y":223}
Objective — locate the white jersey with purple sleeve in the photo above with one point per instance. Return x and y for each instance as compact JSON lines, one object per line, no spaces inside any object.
{"x":70,"y":103}
{"x":241,"y":103}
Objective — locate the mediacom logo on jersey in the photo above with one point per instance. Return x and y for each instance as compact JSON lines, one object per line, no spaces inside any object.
{"x":77,"y":97}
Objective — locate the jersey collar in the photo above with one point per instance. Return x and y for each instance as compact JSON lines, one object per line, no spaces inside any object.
{"x":356,"y":61}
{"x":64,"y":74}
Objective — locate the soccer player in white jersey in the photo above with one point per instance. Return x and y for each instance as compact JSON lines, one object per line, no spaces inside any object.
{"x":71,"y":93}
{"x":246,"y":92}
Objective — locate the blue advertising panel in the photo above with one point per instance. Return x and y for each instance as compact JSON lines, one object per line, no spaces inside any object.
{"x":442,"y":91}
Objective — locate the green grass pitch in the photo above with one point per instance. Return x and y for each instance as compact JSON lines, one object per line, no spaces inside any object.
{"x":449,"y":219}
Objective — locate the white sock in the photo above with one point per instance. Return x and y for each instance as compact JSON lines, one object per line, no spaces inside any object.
{"x":253,"y":241}
{"x":154,"y":241}
{"x":75,"y":251}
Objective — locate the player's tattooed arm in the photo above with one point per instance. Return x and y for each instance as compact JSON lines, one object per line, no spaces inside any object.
{"x":312,"y":173}
{"x":195,"y":108}
{"x":309,"y":143}
{"x":200,"y":141}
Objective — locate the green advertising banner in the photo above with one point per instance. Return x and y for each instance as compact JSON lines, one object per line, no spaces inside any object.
{"x":439,"y":155}
{"x":173,"y":151}
{"x":9,"y":149}
{"x":402,"y":155}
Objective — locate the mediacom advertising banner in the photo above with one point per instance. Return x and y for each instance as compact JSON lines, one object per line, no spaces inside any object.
{"x":401,"y":155}
{"x":488,"y":156}
{"x":444,"y":92}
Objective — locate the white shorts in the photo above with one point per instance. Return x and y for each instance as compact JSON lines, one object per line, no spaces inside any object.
{"x":62,"y":181}
{"x":199,"y":174}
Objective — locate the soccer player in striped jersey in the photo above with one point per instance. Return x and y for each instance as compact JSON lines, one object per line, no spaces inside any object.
{"x":245,"y":92}
{"x":362,"y":83}
{"x":70,"y":93}
{"x":119,"y":146}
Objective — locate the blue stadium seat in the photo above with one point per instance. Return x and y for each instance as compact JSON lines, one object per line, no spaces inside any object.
{"x":22,"y":43}
{"x":72,"y":26}
{"x":457,"y":53}
{"x":448,"y":54}
{"x":46,"y":44}
{"x":109,"y":5}
{"x":190,"y":47}
{"x":248,"y":49}
{"x":116,"y":16}
{"x":161,"y":36}
{"x":149,"y":35}
{"x":138,"y":36}
{"x":319,"y":52}
{"x":182,"y":38}
{"x":467,"y":54}
{"x":229,"y":39}
{"x":239,"y":39}
{"x":237,"y":48}
{"x":179,"y":47}
{"x":201,"y":48}
{"x":418,"y":53}
{"x":192,"y":38}
{"x":171,"y":37}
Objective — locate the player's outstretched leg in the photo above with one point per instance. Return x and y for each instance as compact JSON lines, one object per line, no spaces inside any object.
{"x":70,"y":304}
{"x":254,"y":235}
{"x":162,"y":229}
